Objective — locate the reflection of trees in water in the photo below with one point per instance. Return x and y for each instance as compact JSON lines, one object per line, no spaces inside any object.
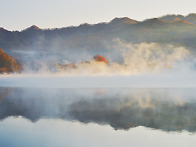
{"x":150,"y":108}
{"x":4,"y":93}
{"x":165,"y":115}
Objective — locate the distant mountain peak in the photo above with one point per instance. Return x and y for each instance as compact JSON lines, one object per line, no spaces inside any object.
{"x":35,"y":27}
{"x":1,"y":28}
{"x":189,"y":19}
{"x":191,"y":14}
{"x":32,"y":28}
{"x":123,"y":20}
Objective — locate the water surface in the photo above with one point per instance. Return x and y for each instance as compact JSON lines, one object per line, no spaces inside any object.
{"x":51,"y":117}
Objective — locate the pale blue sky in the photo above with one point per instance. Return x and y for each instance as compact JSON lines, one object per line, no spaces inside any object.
{"x":20,"y":14}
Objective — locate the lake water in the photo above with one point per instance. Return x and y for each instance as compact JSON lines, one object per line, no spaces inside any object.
{"x":94,"y":117}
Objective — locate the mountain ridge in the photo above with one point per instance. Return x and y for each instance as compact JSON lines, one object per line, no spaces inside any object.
{"x":100,"y":36}
{"x":166,"y":18}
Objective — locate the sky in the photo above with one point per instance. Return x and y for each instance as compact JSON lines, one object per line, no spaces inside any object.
{"x":20,"y":14}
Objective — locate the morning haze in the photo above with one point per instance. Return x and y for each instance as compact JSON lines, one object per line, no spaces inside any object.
{"x":97,"y":73}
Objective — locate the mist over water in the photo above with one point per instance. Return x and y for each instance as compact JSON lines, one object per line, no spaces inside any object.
{"x":60,"y":81}
{"x":130,"y":65}
{"x":124,"y":59}
{"x":164,"y":109}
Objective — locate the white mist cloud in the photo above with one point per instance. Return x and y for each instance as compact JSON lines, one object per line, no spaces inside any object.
{"x":152,"y":56}
{"x":143,"y":65}
{"x":137,"y":59}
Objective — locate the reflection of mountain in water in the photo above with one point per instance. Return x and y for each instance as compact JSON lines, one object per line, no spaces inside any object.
{"x":165,"y":109}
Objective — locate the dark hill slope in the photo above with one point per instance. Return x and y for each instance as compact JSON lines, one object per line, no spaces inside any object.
{"x":8,"y":64}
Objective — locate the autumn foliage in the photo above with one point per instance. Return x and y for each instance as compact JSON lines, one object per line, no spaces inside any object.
{"x":8,"y":64}
{"x":100,"y":58}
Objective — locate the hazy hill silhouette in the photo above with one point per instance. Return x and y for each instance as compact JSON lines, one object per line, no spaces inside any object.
{"x":176,"y":29}
{"x":191,"y":18}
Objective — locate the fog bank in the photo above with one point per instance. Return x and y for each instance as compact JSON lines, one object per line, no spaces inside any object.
{"x":58,"y":80}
